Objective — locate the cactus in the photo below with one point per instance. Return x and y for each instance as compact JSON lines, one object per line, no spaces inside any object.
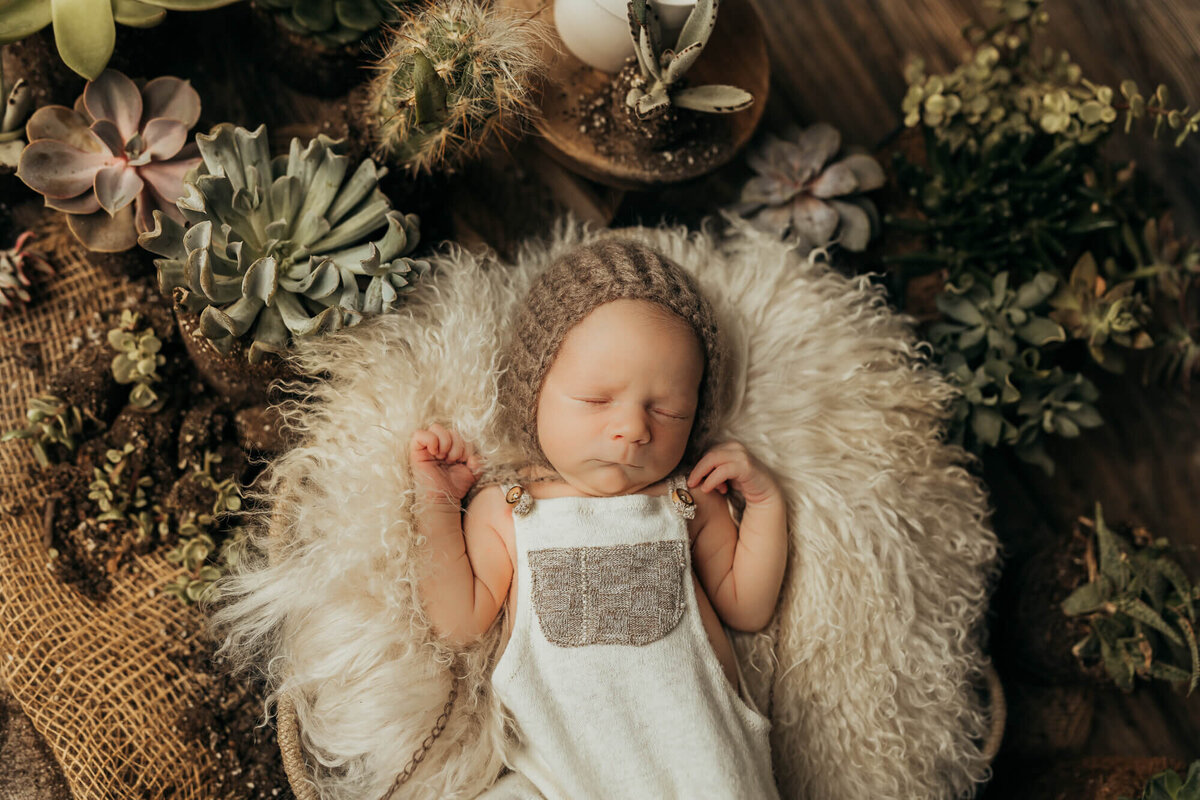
{"x":455,"y":79}
{"x":1141,"y":608}
{"x":334,"y":23}
{"x":278,"y":248}
{"x":662,"y":70}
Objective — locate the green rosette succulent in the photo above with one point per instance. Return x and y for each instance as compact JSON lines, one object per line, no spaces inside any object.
{"x":85,"y":30}
{"x":280,"y":248}
{"x":333,"y":23}
{"x":1100,"y":316}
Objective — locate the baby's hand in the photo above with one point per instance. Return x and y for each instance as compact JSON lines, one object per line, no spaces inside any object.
{"x":731,"y":463}
{"x":444,"y":465}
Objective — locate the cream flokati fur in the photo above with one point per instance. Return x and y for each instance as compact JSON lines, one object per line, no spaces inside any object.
{"x":870,"y":663}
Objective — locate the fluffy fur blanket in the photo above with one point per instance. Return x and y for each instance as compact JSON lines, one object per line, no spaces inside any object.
{"x":870,"y":667}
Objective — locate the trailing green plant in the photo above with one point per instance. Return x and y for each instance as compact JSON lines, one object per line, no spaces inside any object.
{"x":1140,"y":606}
{"x":138,"y":359}
{"x":50,"y":421}
{"x":803,"y":195}
{"x":283,"y":247}
{"x":115,"y":158}
{"x":1005,"y":89}
{"x":989,"y":344}
{"x":662,"y":68}
{"x":334,"y":23}
{"x":1167,"y":785}
{"x":197,"y":551}
{"x":18,"y":102}
{"x":455,"y":79}
{"x":120,"y":493}
{"x":83,"y":30}
{"x":14,"y":283}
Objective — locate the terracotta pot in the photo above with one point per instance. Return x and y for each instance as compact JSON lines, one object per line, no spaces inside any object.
{"x":231,"y":375}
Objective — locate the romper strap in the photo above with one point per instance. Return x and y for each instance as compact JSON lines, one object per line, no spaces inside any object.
{"x":681,"y":497}
{"x":517,"y":497}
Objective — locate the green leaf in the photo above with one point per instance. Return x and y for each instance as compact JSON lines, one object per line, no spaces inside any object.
{"x":84,"y":32}
{"x":1040,"y":331}
{"x":1085,"y":600}
{"x":22,"y":18}
{"x":136,"y":14}
{"x":1138,"y":610}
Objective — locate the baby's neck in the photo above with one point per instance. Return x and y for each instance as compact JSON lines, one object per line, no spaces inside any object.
{"x":543,"y":483}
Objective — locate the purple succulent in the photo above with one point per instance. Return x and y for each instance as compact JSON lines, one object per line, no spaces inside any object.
{"x":114,"y":159}
{"x":800,"y":196}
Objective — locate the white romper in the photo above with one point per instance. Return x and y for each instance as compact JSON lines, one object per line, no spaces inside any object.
{"x":609,"y":673}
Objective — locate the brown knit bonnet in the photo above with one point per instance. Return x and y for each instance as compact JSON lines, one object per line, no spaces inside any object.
{"x":580,"y":281}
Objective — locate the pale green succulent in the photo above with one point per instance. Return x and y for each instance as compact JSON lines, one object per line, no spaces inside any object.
{"x":994,"y":316}
{"x":197,"y":547}
{"x":84,"y":30}
{"x":51,"y":421}
{"x":1141,"y":609}
{"x":1167,"y":785}
{"x":663,"y":69}
{"x":282,"y":248}
{"x":334,"y":22}
{"x":18,"y":102}
{"x":138,"y":359}
{"x":1100,"y":316}
{"x":113,"y":492}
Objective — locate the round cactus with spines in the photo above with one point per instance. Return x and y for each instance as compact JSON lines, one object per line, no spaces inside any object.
{"x":455,"y":79}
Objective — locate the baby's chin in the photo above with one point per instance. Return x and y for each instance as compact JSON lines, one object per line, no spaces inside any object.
{"x":605,"y":480}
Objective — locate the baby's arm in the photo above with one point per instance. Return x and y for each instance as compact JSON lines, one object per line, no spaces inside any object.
{"x":741,"y":569}
{"x":469,"y":568}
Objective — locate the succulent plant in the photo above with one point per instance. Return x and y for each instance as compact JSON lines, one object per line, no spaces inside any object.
{"x":1167,"y":785}
{"x":51,"y":421}
{"x":800,"y":193}
{"x":116,"y":494}
{"x":120,"y":155}
{"x":138,"y":359}
{"x":1141,"y":608}
{"x":662,"y":70}
{"x":282,"y":248}
{"x":1005,"y":88}
{"x":14,"y":283}
{"x":989,"y":344}
{"x":1102,"y":317}
{"x":84,"y":30}
{"x":197,"y":546}
{"x":17,"y":104}
{"x":334,"y":23}
{"x":455,"y":79}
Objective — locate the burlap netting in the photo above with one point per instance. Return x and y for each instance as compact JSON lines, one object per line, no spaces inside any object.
{"x":94,"y":679}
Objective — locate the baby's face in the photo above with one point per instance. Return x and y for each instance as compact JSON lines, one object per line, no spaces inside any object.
{"x":618,"y":402}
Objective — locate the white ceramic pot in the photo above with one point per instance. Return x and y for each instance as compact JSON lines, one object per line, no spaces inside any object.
{"x":597,"y":31}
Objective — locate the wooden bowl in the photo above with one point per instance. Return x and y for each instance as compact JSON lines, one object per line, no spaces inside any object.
{"x":736,"y":54}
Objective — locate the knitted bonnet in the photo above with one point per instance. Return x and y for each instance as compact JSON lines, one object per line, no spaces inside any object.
{"x":580,"y":281}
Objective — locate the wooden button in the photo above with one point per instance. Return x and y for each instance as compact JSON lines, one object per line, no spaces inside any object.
{"x":682,"y":496}
{"x":514,"y":495}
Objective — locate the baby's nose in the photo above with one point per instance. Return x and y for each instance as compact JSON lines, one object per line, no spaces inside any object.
{"x":632,"y":426}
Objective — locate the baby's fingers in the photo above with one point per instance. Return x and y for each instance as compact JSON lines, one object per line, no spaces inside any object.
{"x":716,"y":479}
{"x":423,"y":444}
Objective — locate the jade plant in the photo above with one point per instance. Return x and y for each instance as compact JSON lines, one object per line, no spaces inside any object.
{"x":84,"y":30}
{"x":1007,"y":88}
{"x":333,"y":23}
{"x":115,"y":159}
{"x":138,"y":359}
{"x":281,"y":248}
{"x":14,"y":283}
{"x":801,"y":193}
{"x":51,"y":422}
{"x":456,"y":78}
{"x":1140,"y":607}
{"x":662,"y":68}
{"x":18,"y":102}
{"x":120,"y":493}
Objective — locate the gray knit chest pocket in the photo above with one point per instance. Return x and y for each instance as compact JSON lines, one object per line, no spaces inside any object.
{"x":622,"y":594}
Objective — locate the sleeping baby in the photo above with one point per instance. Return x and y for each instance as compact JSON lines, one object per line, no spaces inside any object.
{"x":615,"y":563}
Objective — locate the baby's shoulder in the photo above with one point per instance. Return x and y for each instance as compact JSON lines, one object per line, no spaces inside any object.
{"x":489,"y":507}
